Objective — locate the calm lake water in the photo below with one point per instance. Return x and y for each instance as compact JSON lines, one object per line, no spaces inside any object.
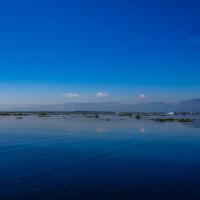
{"x":80,"y":159}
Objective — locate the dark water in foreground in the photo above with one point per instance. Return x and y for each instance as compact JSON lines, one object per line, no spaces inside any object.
{"x":79,"y":159}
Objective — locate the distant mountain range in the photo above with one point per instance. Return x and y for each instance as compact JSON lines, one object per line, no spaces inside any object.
{"x":184,"y":106}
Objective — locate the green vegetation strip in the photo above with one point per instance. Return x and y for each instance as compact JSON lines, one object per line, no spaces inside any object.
{"x":183,"y":120}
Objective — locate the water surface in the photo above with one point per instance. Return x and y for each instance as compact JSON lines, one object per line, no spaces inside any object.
{"x":79,"y":158}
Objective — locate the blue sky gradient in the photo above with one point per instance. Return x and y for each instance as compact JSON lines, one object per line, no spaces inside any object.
{"x":121,"y":48}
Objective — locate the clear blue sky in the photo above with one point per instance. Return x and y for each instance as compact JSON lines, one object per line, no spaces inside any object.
{"x":69,"y":50}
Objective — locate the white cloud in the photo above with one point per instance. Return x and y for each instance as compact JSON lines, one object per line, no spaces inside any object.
{"x":142,"y":96}
{"x":101,"y":94}
{"x":70,"y":95}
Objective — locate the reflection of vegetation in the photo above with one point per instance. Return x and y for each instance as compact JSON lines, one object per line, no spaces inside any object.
{"x":93,"y":116}
{"x":43,"y":115}
{"x":21,"y":114}
{"x":185,"y":120}
{"x":19,"y":118}
{"x":125,"y":114}
{"x":5,"y":114}
{"x":13,"y":114}
{"x":138,"y":116}
{"x":89,"y":116}
{"x":165,"y":120}
{"x":172,"y":120}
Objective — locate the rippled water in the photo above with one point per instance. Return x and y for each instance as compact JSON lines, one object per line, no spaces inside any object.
{"x":75,"y":158}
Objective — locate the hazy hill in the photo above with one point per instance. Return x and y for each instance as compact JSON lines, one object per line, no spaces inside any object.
{"x":184,"y":106}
